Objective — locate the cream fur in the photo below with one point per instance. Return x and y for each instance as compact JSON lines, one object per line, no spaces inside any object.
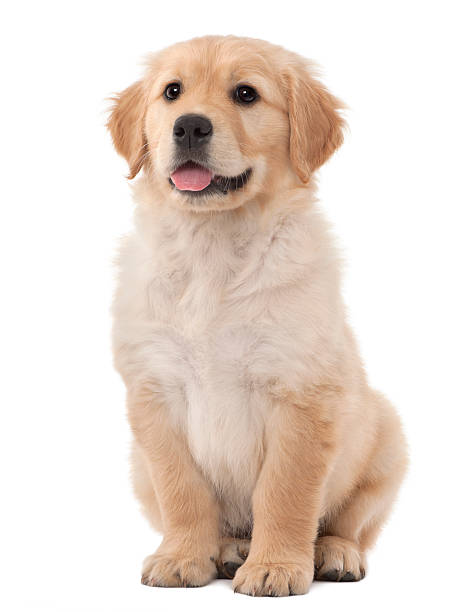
{"x":231,"y":331}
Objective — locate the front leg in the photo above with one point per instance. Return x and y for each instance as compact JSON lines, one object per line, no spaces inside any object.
{"x":287,"y":498}
{"x":190,"y":546}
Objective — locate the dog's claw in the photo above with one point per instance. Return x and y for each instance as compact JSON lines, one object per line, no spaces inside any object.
{"x":331,"y":576}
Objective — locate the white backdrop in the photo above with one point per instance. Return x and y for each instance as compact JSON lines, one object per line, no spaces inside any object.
{"x":400,"y":196}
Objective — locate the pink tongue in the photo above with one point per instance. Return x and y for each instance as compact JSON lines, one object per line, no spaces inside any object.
{"x":191,"y":177}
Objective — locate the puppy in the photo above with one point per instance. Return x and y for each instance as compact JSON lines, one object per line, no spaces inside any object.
{"x":260,"y":451}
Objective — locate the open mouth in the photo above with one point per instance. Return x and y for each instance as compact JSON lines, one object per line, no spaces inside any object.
{"x":195,"y":180}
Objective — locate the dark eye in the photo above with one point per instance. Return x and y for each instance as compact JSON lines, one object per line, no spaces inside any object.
{"x":172,"y":91}
{"x":245,"y":94}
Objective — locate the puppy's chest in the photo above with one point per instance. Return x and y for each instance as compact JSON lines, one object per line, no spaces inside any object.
{"x":214,"y":392}
{"x":193,"y":306}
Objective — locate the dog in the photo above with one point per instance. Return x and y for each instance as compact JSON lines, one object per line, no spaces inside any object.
{"x":260,"y":452}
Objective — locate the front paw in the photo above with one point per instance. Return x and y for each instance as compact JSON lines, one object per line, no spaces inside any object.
{"x":273,"y":579}
{"x":174,"y":570}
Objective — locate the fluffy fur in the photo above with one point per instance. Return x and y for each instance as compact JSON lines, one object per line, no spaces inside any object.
{"x":254,"y":427}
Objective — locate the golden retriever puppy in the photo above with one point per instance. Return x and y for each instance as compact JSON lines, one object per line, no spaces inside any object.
{"x":261,"y":453}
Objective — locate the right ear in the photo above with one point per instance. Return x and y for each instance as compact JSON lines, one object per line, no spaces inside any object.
{"x":126,"y":125}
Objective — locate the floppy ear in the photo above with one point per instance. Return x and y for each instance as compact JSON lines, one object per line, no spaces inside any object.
{"x":126,"y":125}
{"x":315,"y":124}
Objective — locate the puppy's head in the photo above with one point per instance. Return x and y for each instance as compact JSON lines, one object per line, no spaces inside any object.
{"x":219,"y":121}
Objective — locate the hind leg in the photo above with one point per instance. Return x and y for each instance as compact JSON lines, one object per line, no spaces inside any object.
{"x":345,"y":537}
{"x":338,"y":560}
{"x":233,"y":553}
{"x":346,"y":534}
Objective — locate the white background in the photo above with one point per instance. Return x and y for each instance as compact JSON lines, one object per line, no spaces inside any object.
{"x":400,"y":196}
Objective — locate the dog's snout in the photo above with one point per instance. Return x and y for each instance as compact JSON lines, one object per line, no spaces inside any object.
{"x":192,"y":131}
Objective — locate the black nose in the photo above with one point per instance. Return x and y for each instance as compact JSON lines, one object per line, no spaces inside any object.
{"x":192,"y":131}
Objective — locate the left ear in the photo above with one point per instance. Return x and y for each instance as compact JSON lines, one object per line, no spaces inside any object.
{"x":316,"y":127}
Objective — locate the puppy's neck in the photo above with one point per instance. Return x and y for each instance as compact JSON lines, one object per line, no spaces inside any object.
{"x":154,"y":207}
